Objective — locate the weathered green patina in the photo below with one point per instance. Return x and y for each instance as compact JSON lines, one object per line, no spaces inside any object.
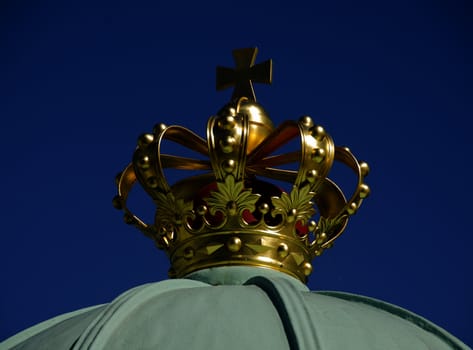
{"x":236,"y":308}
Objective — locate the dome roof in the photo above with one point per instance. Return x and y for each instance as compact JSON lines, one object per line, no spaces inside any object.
{"x":236,"y":308}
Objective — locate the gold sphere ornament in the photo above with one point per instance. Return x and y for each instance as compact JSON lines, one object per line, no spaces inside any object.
{"x":234,"y":244}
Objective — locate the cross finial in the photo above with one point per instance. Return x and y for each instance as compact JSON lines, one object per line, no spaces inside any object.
{"x":244,"y":74}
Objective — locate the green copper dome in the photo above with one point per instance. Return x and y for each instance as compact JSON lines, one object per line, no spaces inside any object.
{"x":236,"y":308}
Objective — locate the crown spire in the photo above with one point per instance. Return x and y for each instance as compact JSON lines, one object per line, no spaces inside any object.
{"x":244,"y":74}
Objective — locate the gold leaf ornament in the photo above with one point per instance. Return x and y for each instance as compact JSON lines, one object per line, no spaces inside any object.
{"x":231,"y":198}
{"x":171,"y":210}
{"x":297,"y":206}
{"x":327,"y":225}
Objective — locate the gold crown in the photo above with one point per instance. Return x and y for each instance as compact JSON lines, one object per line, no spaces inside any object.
{"x":230,"y":215}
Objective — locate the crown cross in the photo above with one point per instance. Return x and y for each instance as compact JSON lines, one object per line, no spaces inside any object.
{"x":245,"y":73}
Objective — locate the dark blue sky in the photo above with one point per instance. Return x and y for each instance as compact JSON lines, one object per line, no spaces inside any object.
{"x":80,"y":81}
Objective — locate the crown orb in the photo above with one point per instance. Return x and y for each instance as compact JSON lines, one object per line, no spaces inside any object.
{"x":234,"y":244}
{"x":318,"y":155}
{"x":365,"y":169}
{"x":159,"y":128}
{"x":228,"y":165}
{"x":260,"y":126}
{"x":306,"y":121}
{"x":283,"y":250}
{"x":227,"y":144}
{"x":317,"y":132}
{"x":307,"y":268}
{"x":364,"y":191}
{"x":227,"y":123}
{"x":144,"y":140}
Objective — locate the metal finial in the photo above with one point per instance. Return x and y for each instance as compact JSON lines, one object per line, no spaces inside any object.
{"x":245,"y":73}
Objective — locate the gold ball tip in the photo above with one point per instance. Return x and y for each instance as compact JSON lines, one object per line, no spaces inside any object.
{"x":264,"y":208}
{"x":227,"y":144}
{"x":159,"y":128}
{"x":228,"y":165}
{"x":365,"y":168}
{"x":234,"y":244}
{"x":321,"y":238}
{"x":143,"y":162}
{"x":201,"y":210}
{"x":291,"y":215}
{"x":227,"y":123}
{"x":312,"y":226}
{"x":364,"y":191}
{"x":352,"y":208}
{"x":306,"y":121}
{"x":144,"y":140}
{"x":283,"y":250}
{"x":317,"y":132}
{"x":307,"y":268}
{"x":311,"y":175}
{"x":318,"y":155}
